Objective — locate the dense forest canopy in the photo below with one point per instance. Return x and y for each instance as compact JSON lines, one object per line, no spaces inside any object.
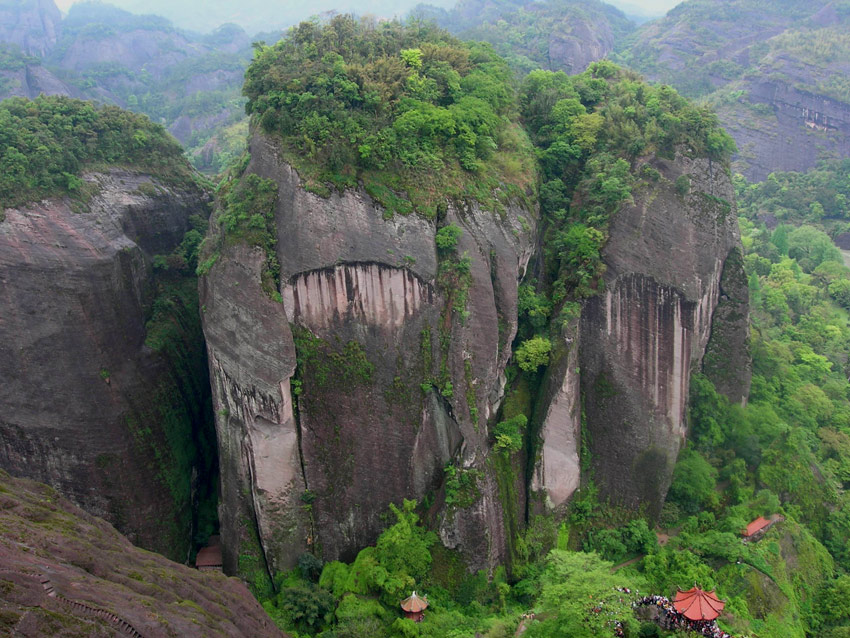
{"x":48,"y":142}
{"x":404,"y":108}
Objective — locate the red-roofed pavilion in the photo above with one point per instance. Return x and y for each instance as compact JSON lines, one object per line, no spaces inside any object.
{"x":696,"y":604}
{"x":414,"y":607}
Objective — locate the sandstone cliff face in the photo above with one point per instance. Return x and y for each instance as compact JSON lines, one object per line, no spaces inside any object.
{"x":577,"y":42}
{"x":33,"y":25}
{"x":88,"y":406}
{"x":392,"y":384}
{"x":66,"y":573}
{"x":557,"y":471}
{"x":643,"y":336}
{"x":780,"y":127}
{"x":30,"y":81}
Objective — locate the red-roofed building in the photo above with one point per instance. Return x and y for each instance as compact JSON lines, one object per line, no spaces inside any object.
{"x":209,"y":557}
{"x":696,"y":604}
{"x":759,"y":527}
{"x":414,"y":607}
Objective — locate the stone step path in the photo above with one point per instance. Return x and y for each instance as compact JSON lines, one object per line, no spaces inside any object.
{"x":81,"y":608}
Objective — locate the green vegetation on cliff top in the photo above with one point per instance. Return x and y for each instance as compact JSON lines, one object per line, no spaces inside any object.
{"x":415,"y":115}
{"x":596,"y":135}
{"x":48,"y":142}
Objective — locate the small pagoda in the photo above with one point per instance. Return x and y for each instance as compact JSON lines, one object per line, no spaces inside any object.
{"x":698,"y":605}
{"x":414,"y":607}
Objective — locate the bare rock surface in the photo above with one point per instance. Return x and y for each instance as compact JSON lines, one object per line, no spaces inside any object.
{"x":66,"y":573}
{"x":644,"y":335}
{"x":34,"y":26}
{"x":373,"y":330}
{"x":88,"y":406}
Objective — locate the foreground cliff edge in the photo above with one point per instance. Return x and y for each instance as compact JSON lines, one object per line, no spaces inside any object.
{"x":66,"y":573}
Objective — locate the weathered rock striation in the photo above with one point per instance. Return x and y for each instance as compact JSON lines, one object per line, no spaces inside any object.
{"x":96,"y":403}
{"x":648,"y":330}
{"x":365,"y":380}
{"x":673,"y":292}
{"x":66,"y":573}
{"x":392,"y":379}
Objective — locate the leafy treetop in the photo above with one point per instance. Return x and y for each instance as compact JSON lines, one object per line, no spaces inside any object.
{"x":405,"y":108}
{"x":47,"y":143}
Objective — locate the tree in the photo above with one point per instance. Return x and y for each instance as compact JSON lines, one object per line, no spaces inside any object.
{"x":693,"y":482}
{"x":579,"y":598}
{"x":447,"y":237}
{"x":811,"y":247}
{"x":533,"y":353}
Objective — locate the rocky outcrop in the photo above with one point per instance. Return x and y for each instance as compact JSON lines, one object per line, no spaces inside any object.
{"x":33,"y":25}
{"x":557,"y":473}
{"x":576,"y":42}
{"x":104,"y":376}
{"x":31,"y":80}
{"x":66,"y":573}
{"x":781,"y":127}
{"x":395,"y":376}
{"x":643,"y":336}
{"x":727,"y":362}
{"x":252,"y":359}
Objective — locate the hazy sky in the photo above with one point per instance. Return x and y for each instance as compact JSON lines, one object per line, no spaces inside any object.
{"x":647,"y":6}
{"x":265,"y":15}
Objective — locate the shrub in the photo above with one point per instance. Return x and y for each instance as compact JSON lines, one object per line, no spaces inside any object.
{"x":533,"y":353}
{"x":447,"y":237}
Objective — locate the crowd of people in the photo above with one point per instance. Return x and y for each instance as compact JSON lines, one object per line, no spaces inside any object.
{"x":668,"y":618}
{"x":671,"y":619}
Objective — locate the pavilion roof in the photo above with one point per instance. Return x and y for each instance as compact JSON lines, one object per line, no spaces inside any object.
{"x":696,"y":604}
{"x":414,"y":603}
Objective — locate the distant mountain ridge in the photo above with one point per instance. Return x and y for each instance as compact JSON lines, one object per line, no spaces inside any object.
{"x":775,"y":72}
{"x":188,"y":82}
{"x":557,"y":35}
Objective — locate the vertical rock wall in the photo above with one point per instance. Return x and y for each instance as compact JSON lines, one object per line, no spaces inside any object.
{"x":88,"y":406}
{"x":252,"y":359}
{"x":372,"y":330}
{"x":557,"y":473}
{"x":642,"y":337}
{"x":363,"y":383}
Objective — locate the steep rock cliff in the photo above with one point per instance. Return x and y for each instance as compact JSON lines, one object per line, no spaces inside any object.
{"x":66,"y":573}
{"x":95,"y":402}
{"x":786,"y":124}
{"x":33,"y":25}
{"x":648,"y":330}
{"x":396,"y":374}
